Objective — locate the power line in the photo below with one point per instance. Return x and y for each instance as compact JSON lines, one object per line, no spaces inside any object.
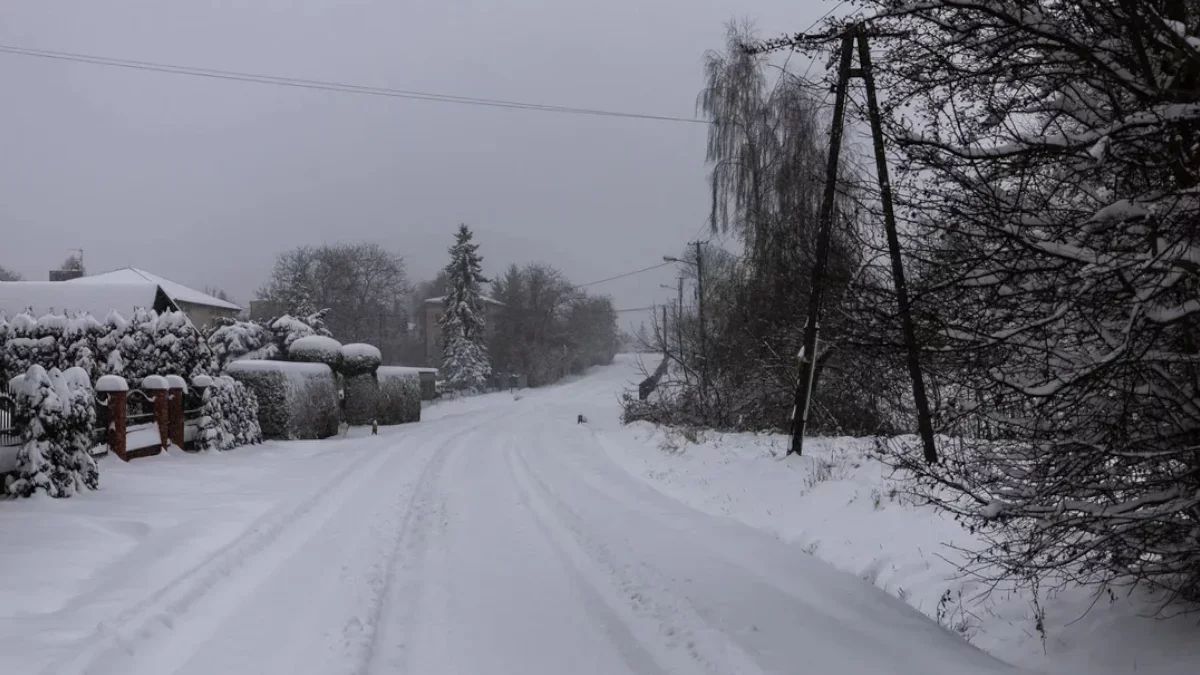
{"x":324,"y":85}
{"x":622,"y":276}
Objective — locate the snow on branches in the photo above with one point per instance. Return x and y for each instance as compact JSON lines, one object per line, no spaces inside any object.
{"x":1049,"y":176}
{"x":465,"y":359}
{"x":57,"y":411}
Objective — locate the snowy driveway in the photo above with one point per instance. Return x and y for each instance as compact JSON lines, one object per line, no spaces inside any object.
{"x":495,"y":537}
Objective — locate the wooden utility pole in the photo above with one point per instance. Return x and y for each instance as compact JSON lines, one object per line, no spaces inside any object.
{"x":854,"y":34}
{"x":703,"y":337}
{"x":666,"y":349}
{"x":679,"y":318}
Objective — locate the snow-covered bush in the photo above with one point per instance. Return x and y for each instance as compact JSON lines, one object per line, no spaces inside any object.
{"x":57,"y":411}
{"x":287,"y":329}
{"x":20,"y":348}
{"x":229,"y":416}
{"x":176,"y":345}
{"x":399,"y":395}
{"x":359,"y":359}
{"x":362,"y":398}
{"x":109,"y":345}
{"x":295,"y":400}
{"x":232,"y":340}
{"x":316,"y":349}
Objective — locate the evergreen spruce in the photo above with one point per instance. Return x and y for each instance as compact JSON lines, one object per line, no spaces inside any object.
{"x":465,"y":359}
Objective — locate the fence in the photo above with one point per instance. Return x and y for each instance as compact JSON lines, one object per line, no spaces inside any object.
{"x":10,"y":435}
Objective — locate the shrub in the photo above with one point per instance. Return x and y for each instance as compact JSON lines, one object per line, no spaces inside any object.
{"x":229,"y":416}
{"x":317,"y":349}
{"x":399,"y":395}
{"x":362,"y":398}
{"x":359,"y":359}
{"x":58,"y":411}
{"x":295,"y":400}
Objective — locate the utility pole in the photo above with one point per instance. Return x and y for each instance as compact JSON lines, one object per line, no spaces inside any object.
{"x":703,"y":336}
{"x":666,"y":351}
{"x":679,"y":317}
{"x":855,"y":34}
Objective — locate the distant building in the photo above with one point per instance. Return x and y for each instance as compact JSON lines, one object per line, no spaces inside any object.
{"x":201,"y":308}
{"x":432,"y":309}
{"x":263,"y":310}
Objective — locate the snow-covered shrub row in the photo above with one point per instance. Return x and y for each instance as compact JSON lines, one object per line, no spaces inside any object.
{"x":399,"y":395}
{"x":229,"y":416}
{"x":146,"y":344}
{"x":362,"y":398}
{"x":57,"y":411}
{"x":295,"y":400}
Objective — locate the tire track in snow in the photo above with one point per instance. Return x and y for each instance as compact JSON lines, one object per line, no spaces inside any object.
{"x":409,"y":538}
{"x":678,"y":636}
{"x":155,"y":612}
{"x":117,"y":644}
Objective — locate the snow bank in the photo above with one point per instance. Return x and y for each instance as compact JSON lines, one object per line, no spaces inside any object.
{"x":108,"y":383}
{"x":841,"y":505}
{"x":202,"y":381}
{"x":176,"y":382}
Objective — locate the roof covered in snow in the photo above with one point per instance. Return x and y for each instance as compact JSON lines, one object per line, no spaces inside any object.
{"x":177,"y":292}
{"x":442,"y":300}
{"x":63,"y":297}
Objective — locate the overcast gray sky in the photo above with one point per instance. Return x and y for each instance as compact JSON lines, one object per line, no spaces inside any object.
{"x":204,"y":181}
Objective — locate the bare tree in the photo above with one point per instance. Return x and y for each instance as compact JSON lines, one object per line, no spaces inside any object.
{"x":1048,"y":178}
{"x":8,"y":275}
{"x":73,"y":263}
{"x":364,"y":287}
{"x":218,"y":293}
{"x":767,"y":159}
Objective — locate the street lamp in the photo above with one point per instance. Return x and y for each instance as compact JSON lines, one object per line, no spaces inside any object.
{"x":669,"y":258}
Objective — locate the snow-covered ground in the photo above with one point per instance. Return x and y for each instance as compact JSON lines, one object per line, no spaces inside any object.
{"x":843,"y":507}
{"x":496,"y":536}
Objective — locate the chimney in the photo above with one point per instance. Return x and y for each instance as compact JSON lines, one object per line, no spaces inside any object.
{"x":65,"y":275}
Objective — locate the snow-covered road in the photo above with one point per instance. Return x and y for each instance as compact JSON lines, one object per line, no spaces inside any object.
{"x":495,"y":537}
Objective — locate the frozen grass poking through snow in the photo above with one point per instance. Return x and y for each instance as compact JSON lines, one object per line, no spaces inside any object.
{"x":838,"y":503}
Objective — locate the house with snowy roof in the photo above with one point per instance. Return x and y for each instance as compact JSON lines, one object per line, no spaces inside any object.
{"x":200,"y":308}
{"x":433,"y":308}
{"x":123,"y":290}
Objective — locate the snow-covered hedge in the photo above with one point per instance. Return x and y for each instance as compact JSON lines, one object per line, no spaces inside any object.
{"x":295,"y":400}
{"x":362,"y":398}
{"x":56,"y":411}
{"x":229,"y":416}
{"x":147,"y":344}
{"x":399,"y":395}
{"x":360,"y":359}
{"x":317,"y":349}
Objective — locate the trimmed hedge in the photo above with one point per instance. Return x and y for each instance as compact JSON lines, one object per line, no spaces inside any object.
{"x":362,"y":399}
{"x":399,"y":395}
{"x":295,"y":400}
